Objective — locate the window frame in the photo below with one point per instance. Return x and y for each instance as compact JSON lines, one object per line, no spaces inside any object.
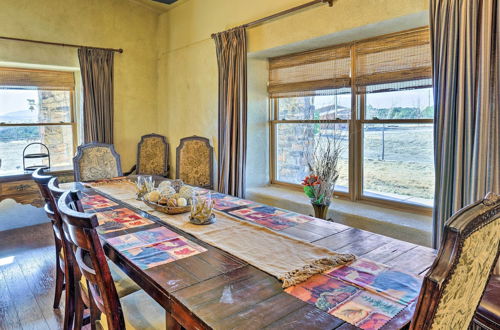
{"x":356,"y":139}
{"x":72,"y":123}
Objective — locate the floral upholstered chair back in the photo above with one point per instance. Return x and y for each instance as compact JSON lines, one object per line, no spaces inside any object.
{"x":152,"y":155}
{"x":453,"y":287}
{"x":96,"y":161}
{"x":195,"y":159}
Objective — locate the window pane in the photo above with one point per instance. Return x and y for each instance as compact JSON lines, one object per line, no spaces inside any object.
{"x":34,"y":106}
{"x":291,"y":154}
{"x":398,"y":162}
{"x":315,"y":107}
{"x":402,"y":104}
{"x":59,"y":140}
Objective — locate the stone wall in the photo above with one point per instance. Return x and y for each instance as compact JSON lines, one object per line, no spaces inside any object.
{"x":55,"y":106}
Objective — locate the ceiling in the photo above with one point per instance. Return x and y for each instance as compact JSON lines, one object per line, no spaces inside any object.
{"x":157,"y":6}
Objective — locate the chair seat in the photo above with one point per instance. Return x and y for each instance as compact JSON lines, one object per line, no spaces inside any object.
{"x":124,"y":284}
{"x":488,"y":312}
{"x":140,"y":312}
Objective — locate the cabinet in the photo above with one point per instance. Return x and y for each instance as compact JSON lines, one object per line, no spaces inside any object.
{"x":24,"y":190}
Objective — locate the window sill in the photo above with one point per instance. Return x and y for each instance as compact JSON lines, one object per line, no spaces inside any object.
{"x":407,"y":226}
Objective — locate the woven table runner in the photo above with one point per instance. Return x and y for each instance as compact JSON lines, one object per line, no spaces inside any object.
{"x":290,"y":260}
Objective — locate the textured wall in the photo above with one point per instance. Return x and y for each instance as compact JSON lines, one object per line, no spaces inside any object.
{"x":187,"y":94}
{"x":104,"y":23}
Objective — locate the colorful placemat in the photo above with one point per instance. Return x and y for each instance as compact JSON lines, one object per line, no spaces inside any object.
{"x":154,"y":247}
{"x":146,"y":248}
{"x":364,"y":293}
{"x":226,"y":202}
{"x":141,"y":238}
{"x":95,"y":202}
{"x":393,"y":284}
{"x":269,"y":216}
{"x":152,"y":255}
{"x":109,"y":224}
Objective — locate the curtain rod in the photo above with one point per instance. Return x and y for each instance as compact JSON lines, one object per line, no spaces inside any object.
{"x":284,"y":12}
{"x":59,"y":44}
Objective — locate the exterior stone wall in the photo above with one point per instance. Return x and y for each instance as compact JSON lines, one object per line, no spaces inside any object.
{"x":55,"y":106}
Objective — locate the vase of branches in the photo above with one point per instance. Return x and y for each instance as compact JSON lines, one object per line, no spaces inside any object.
{"x":323,"y":153}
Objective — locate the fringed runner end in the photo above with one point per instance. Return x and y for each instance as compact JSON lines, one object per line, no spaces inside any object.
{"x":318,"y":266}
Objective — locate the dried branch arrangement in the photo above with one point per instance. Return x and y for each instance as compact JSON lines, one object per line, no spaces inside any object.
{"x":323,"y":152}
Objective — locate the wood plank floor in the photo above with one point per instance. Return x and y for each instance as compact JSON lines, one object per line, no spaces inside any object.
{"x":27,"y":279}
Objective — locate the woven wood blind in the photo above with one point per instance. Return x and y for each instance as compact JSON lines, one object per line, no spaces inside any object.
{"x":317,"y":72}
{"x":396,"y":61}
{"x":390,"y":62}
{"x":37,"y":79}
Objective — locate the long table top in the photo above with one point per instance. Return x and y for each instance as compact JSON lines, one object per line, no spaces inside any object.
{"x":191,"y":288}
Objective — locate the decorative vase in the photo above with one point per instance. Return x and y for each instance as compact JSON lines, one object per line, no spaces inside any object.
{"x":320,"y":210}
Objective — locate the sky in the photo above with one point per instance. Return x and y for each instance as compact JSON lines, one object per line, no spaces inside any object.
{"x":12,"y":100}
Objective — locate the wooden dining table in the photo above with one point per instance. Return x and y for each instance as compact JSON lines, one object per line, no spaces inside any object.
{"x":191,"y":289}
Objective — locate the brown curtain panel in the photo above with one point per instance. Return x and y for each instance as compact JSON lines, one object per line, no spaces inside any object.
{"x":465,"y":49}
{"x":231,"y":49}
{"x":96,"y":66}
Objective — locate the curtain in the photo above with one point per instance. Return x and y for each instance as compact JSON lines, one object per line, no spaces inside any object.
{"x":232,"y":61}
{"x":96,"y":66}
{"x":465,"y":49}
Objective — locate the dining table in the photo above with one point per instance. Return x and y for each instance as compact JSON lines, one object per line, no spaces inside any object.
{"x":218,"y":290}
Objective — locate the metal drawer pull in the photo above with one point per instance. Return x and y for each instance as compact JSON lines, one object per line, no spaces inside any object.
{"x":22,"y":187}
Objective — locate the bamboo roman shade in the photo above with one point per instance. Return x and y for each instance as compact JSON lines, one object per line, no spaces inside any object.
{"x":391,"y":62}
{"x":37,"y":79}
{"x":321,"y":71}
{"x":396,"y":61}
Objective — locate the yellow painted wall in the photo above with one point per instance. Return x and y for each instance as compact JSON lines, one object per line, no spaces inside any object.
{"x":166,"y":81}
{"x":187,"y":94}
{"x":100,"y":23}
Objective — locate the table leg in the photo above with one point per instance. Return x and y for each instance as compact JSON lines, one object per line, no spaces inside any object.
{"x":172,"y":323}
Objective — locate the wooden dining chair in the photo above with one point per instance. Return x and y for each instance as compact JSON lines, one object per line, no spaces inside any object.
{"x":195,"y":162}
{"x":453,"y":287}
{"x":96,"y":161}
{"x":76,"y":290}
{"x":42,"y":181}
{"x":134,"y":311}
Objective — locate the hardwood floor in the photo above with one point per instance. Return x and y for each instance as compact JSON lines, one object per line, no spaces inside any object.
{"x":27,"y":279}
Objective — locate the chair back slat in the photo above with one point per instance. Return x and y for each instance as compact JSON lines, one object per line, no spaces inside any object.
{"x":455,"y":283}
{"x":90,"y":257}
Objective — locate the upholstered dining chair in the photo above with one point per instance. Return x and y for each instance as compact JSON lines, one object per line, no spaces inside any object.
{"x":134,"y":311}
{"x":152,"y":156}
{"x":195,"y":162}
{"x":96,"y":161}
{"x":452,"y":289}
{"x":75,"y":286}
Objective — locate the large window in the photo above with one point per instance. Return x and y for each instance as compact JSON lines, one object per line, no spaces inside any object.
{"x":36,"y":106}
{"x":375,"y":97}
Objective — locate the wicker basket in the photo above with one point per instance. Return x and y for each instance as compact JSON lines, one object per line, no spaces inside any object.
{"x":167,"y":209}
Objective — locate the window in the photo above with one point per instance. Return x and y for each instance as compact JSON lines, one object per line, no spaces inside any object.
{"x":36,"y":106}
{"x":304,"y":119}
{"x":375,"y":96}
